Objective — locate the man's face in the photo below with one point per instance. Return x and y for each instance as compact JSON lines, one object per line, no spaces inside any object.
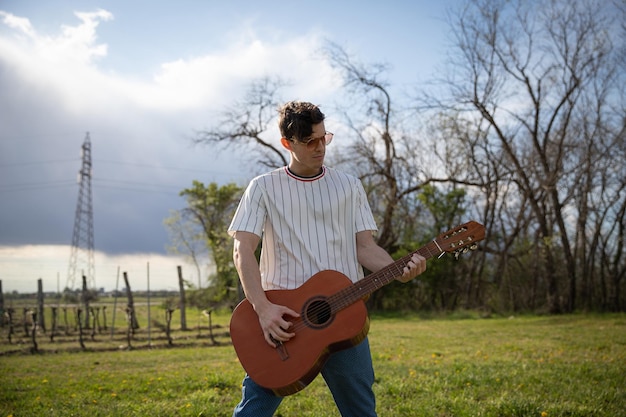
{"x":307,"y":158}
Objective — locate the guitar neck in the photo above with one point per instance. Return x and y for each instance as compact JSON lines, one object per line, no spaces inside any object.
{"x":379,"y":279}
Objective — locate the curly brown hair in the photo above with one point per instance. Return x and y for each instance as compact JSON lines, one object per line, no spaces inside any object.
{"x":296,"y":119}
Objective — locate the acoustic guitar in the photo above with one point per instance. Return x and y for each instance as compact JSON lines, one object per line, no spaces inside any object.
{"x":333,"y":316}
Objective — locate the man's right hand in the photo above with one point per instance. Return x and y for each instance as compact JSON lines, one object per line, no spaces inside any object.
{"x":272,"y":320}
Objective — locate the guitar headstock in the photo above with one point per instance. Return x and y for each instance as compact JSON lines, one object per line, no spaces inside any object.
{"x":461,"y":238}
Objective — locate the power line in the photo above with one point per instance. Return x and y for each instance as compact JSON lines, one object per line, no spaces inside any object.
{"x":123,"y":185}
{"x":102,"y":183}
{"x":137,"y":186}
{"x":36,"y":186}
{"x":27,"y":163}
{"x":169,"y":168}
{"x":109,"y":161}
{"x":126,"y":182}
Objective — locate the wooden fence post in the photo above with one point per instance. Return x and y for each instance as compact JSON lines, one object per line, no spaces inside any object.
{"x":168,"y":327}
{"x":130,"y":331}
{"x":79,"y":312}
{"x":116,"y":294}
{"x":86,"y":297}
{"x":25,"y":321}
{"x":76,"y":318}
{"x":9,"y":313}
{"x":181,"y":286}
{"x":208,"y":314}
{"x":67,"y":326}
{"x":93,"y":327}
{"x":54,"y":324}
{"x":33,"y":334}
{"x":104,"y":317}
{"x":130,"y":305}
{"x":40,"y":315}
{"x":2,"y":316}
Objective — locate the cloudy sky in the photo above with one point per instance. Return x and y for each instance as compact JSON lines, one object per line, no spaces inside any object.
{"x":140,"y":77}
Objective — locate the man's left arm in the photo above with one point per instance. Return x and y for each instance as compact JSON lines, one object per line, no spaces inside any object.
{"x":374,"y":258}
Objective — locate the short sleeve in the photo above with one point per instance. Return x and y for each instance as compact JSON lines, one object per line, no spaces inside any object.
{"x":364,"y":219}
{"x":251,"y":212}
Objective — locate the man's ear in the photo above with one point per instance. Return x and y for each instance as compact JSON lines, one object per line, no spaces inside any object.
{"x":286,"y":143}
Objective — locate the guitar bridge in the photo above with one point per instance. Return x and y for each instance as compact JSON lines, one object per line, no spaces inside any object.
{"x":281,"y":349}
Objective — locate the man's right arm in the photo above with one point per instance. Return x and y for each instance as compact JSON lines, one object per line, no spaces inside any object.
{"x":247,"y":266}
{"x":271,"y":316}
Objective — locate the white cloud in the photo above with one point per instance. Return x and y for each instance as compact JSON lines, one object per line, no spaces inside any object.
{"x":22,"y":266}
{"x":66,"y":65}
{"x":76,"y":45}
{"x":57,"y":83}
{"x":62,"y":66}
{"x":21,"y":24}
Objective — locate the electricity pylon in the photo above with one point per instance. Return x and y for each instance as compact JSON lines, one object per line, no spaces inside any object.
{"x":82,"y":256}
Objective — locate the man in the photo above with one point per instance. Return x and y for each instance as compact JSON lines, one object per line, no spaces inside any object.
{"x":311,"y":218}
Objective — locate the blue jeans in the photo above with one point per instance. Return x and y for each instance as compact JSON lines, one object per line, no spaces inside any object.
{"x":349,"y":375}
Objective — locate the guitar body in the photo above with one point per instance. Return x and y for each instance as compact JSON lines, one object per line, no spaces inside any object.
{"x":320,"y":330}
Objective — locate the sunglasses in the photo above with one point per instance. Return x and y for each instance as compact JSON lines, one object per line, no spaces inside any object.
{"x":312,"y":143}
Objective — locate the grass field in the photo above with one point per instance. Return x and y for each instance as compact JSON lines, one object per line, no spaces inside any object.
{"x":455,"y":366}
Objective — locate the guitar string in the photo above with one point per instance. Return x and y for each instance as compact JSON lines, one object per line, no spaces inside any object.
{"x":349,"y":295}
{"x":371,"y":283}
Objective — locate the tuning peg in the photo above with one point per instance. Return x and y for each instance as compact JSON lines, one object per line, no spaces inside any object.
{"x":474,"y":246}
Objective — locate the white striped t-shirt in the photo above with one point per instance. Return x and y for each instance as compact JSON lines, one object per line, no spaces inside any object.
{"x":307,"y":224}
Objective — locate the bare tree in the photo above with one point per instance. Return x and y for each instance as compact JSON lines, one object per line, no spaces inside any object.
{"x":536,"y":90}
{"x":246,"y":121}
{"x":383,"y":149}
{"x":384,"y":152}
{"x":186,"y":240}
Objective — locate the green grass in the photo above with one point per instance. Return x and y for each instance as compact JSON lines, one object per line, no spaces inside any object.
{"x":527,"y":366}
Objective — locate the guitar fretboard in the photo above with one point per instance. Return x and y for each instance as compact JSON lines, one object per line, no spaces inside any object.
{"x":379,"y":279}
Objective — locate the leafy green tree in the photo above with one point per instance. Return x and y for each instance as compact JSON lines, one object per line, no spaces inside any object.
{"x":443,"y":285}
{"x":205,"y":219}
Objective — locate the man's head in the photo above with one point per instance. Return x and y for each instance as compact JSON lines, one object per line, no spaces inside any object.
{"x":304,"y":135}
{"x":296,"y":120}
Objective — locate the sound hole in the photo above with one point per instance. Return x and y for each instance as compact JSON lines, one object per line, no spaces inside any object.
{"x":317,"y":313}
